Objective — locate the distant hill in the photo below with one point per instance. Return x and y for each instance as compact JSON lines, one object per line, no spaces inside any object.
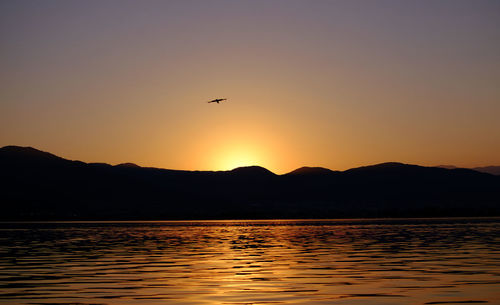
{"x":36,"y":185}
{"x":311,"y":171}
{"x":127,"y":165}
{"x":494,"y":170}
{"x":27,"y":154}
{"x":256,"y":171}
{"x":447,"y":166}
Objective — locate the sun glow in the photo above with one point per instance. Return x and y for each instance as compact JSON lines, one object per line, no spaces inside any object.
{"x":236,"y":142}
{"x":239,"y":156}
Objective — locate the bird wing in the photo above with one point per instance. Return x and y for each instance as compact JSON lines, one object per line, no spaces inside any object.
{"x":217,"y":100}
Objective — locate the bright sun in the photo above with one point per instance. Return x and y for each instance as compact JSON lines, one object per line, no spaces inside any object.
{"x":237,"y":156}
{"x":237,"y":161}
{"x":223,"y":149}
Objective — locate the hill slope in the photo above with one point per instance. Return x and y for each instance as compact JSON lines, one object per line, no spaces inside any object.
{"x":494,"y":170}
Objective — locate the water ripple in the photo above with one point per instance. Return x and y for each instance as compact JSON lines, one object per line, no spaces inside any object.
{"x":251,"y":262}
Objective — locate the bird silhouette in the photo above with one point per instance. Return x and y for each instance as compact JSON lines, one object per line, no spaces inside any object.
{"x":217,"y":100}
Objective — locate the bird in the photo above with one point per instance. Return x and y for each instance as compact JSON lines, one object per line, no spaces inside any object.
{"x":217,"y":100}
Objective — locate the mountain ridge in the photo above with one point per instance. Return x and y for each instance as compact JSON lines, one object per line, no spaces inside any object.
{"x":37,"y":185}
{"x":28,"y":151}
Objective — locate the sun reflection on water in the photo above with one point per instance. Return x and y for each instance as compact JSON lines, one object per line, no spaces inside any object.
{"x":250,"y":263}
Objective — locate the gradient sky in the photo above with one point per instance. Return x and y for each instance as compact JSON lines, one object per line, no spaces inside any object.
{"x":336,"y":84}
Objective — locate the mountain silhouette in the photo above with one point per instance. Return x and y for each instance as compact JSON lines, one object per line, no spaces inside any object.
{"x":256,"y":171}
{"x":27,"y":154}
{"x":37,"y":185}
{"x":127,"y":165}
{"x":306,"y":170}
{"x":447,"y":166}
{"x":494,"y":170}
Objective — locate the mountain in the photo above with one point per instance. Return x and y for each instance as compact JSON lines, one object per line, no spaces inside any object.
{"x":306,"y":170}
{"x":36,"y":185}
{"x":28,"y":154}
{"x":494,"y":170}
{"x":255,"y":171}
{"x":447,"y":166}
{"x":127,"y":165}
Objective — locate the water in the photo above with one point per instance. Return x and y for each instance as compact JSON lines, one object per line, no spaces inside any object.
{"x":443,"y":261}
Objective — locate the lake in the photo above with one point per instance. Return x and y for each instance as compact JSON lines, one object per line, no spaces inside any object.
{"x":374,"y":261}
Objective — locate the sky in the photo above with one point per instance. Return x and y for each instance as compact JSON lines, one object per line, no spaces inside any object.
{"x":336,"y":84}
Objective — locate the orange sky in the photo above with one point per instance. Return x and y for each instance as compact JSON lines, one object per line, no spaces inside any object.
{"x":335,"y":84}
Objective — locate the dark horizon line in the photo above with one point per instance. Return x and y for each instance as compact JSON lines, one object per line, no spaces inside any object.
{"x":196,"y":220}
{"x":483,"y":169}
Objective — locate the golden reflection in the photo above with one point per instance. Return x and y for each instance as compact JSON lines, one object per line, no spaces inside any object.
{"x":250,"y":262}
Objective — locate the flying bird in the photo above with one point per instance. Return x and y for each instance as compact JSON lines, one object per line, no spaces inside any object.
{"x":217,"y":100}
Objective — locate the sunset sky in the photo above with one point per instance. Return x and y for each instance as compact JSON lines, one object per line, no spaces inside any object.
{"x":336,"y":84}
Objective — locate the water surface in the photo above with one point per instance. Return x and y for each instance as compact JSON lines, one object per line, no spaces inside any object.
{"x":410,"y":261}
